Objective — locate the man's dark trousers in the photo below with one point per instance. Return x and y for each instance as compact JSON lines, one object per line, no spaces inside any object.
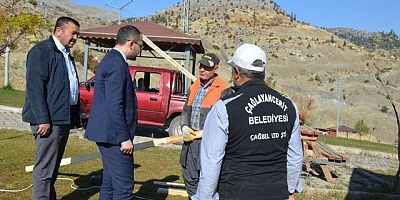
{"x":117,"y":173}
{"x":49,"y":152}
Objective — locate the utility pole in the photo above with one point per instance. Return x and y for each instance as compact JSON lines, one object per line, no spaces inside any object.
{"x":338,"y":106}
{"x":7,"y":53}
{"x":44,"y":5}
{"x":120,"y":9}
{"x":185,"y":16}
{"x":185,"y":19}
{"x":6,"y":66}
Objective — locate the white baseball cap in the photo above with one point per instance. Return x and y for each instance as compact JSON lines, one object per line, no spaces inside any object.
{"x":246,"y":54}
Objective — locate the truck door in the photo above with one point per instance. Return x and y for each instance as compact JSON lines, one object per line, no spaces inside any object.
{"x":149,"y":97}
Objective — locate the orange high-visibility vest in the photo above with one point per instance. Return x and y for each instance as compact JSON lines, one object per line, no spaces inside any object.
{"x":213,"y":93}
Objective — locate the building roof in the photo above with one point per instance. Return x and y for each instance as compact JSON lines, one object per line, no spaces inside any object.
{"x":165,"y":38}
{"x":343,"y":128}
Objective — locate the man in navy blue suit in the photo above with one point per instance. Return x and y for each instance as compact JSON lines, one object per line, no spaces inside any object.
{"x":112,"y":121}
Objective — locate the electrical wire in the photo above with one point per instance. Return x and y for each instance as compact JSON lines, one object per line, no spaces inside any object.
{"x":15,"y":191}
{"x":73,"y":186}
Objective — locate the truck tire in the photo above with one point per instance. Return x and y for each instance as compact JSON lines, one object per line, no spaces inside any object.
{"x":174,"y":126}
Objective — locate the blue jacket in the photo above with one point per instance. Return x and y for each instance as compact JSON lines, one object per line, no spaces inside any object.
{"x":47,"y":87}
{"x":113,"y":116}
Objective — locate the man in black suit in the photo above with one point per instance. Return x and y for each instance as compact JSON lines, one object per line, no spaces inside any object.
{"x":51,"y":102}
{"x":112,"y":121}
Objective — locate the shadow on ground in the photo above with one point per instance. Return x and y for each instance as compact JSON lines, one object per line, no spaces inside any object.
{"x":85,"y":181}
{"x":366,"y":184}
{"x":149,"y":190}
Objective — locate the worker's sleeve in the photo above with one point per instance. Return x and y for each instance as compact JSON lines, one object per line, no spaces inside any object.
{"x":295,"y":158}
{"x":212,"y":152}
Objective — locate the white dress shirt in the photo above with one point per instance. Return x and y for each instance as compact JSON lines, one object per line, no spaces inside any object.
{"x":73,"y":80}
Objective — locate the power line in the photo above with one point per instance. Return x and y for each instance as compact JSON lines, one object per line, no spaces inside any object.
{"x":119,"y":9}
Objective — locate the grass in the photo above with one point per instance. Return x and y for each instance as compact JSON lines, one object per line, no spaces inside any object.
{"x":365,"y":145}
{"x":17,"y":151}
{"x":10,"y":97}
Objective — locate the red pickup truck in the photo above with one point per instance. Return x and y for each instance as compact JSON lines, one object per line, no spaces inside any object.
{"x":160,"y":94}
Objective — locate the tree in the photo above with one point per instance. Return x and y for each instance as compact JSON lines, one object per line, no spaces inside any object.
{"x":390,"y":99}
{"x":306,"y":104}
{"x":361,"y":128}
{"x":16,"y":22}
{"x":386,"y":40}
{"x":332,"y":39}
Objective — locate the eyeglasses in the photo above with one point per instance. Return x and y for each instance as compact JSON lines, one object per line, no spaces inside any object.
{"x":141,"y":46}
{"x":206,"y":67}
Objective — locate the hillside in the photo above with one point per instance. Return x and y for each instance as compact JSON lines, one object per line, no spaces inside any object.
{"x":52,"y":9}
{"x":362,"y":38}
{"x":307,"y":63}
{"x":88,"y":16}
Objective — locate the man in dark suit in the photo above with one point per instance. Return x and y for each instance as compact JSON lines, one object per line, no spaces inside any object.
{"x":51,"y":102}
{"x":112,"y":121}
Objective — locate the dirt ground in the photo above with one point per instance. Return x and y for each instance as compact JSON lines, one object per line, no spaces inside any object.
{"x":365,"y":172}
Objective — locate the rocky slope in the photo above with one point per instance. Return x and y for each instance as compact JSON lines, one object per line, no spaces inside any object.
{"x":309,"y":64}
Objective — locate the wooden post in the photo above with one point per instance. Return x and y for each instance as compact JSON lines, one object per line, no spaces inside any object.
{"x":169,"y":59}
{"x":97,"y":155}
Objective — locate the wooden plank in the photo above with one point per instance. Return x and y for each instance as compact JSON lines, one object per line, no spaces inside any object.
{"x":305,"y":148}
{"x":169,"y":184}
{"x":327,"y":173}
{"x":330,"y":153}
{"x":171,"y":191}
{"x":313,"y":138}
{"x":96,"y":155}
{"x":169,"y":59}
{"x":314,"y":147}
{"x":308,"y":131}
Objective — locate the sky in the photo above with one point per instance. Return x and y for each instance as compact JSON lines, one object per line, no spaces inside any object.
{"x":137,"y":8}
{"x":369,"y":15}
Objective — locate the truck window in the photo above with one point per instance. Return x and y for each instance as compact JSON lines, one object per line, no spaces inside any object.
{"x":179,"y":82}
{"x":147,"y":81}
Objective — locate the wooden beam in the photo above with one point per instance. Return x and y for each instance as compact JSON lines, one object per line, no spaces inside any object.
{"x":168,"y":58}
{"x":314,"y":147}
{"x":327,"y":173}
{"x":96,"y":155}
{"x":169,"y":184}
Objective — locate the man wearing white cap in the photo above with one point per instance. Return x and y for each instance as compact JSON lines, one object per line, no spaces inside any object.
{"x":251,"y":146}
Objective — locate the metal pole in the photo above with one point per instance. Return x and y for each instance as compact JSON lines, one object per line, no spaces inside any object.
{"x":85,"y":59}
{"x":338,"y":106}
{"x":186,"y":6}
{"x":119,"y":17}
{"x":6,"y":66}
{"x":120,"y":9}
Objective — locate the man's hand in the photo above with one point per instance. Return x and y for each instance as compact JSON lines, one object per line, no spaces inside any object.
{"x":127,"y":147}
{"x":186,"y":130}
{"x":292,"y":197}
{"x":43,"y":129}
